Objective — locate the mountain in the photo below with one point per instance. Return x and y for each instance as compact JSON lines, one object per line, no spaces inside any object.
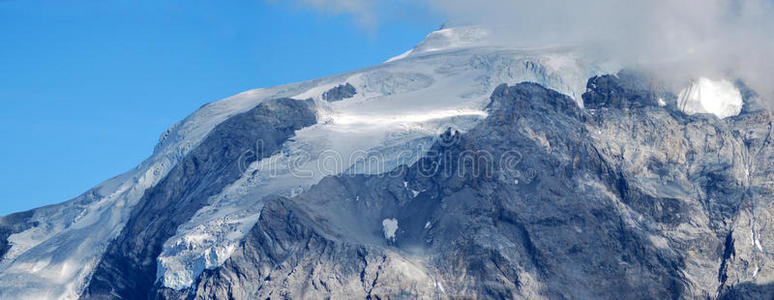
{"x":463,"y":168}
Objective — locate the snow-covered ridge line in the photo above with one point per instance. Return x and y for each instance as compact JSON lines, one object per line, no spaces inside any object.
{"x":447,"y":39}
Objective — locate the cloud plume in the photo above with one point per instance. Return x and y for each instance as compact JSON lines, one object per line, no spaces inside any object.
{"x":681,"y":38}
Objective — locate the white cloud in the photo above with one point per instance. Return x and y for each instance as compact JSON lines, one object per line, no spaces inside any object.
{"x":362,"y":10}
{"x":691,"y":38}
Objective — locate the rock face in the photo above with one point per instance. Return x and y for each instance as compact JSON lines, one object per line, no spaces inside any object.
{"x":626,"y":199}
{"x":11,"y":224}
{"x":128,"y":269}
{"x":340,"y":92}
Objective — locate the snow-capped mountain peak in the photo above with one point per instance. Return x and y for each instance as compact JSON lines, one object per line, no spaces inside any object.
{"x":198,"y":201}
{"x":450,"y":39}
{"x":398,"y":108}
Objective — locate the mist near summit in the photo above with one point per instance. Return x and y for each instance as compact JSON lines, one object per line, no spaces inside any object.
{"x":678,"y":40}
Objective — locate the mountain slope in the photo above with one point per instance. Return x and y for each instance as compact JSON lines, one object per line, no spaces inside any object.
{"x":633,"y":205}
{"x":427,"y":177}
{"x":128,"y":268}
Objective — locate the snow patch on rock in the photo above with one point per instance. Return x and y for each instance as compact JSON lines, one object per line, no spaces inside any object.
{"x":718,"y":97}
{"x":390,"y":227}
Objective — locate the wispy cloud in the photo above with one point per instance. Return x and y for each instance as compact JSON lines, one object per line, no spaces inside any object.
{"x":695,"y":37}
{"x":363,"y":11}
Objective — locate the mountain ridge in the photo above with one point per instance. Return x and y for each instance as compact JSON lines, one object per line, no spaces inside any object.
{"x":404,"y":114}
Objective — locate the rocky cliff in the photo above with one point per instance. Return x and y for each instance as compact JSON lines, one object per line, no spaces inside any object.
{"x":627,"y":199}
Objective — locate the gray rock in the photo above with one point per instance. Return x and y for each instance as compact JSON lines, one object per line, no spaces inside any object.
{"x":624,"y":200}
{"x":128,"y":268}
{"x":11,"y":224}
{"x":340,"y":92}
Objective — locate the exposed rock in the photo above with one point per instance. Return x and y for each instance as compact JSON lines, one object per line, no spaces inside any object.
{"x":629,"y":200}
{"x":340,"y":92}
{"x":11,"y":224}
{"x":128,"y":268}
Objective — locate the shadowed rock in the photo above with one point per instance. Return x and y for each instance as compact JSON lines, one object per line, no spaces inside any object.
{"x":635,"y":201}
{"x":628,"y":199}
{"x":128,"y":268}
{"x":340,"y":92}
{"x":11,"y":224}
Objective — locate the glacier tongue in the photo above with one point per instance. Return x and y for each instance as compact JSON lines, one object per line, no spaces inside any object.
{"x":718,"y":97}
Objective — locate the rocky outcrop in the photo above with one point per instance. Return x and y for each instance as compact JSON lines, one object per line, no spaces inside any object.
{"x":288,"y":254}
{"x":340,"y":92}
{"x":128,"y":268}
{"x":627,"y":199}
{"x":11,"y":224}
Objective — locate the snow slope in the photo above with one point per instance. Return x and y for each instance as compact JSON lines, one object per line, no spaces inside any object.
{"x":446,"y":39}
{"x":399,"y":109}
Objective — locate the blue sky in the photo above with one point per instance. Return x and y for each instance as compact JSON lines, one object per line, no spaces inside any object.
{"x":87,"y":87}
